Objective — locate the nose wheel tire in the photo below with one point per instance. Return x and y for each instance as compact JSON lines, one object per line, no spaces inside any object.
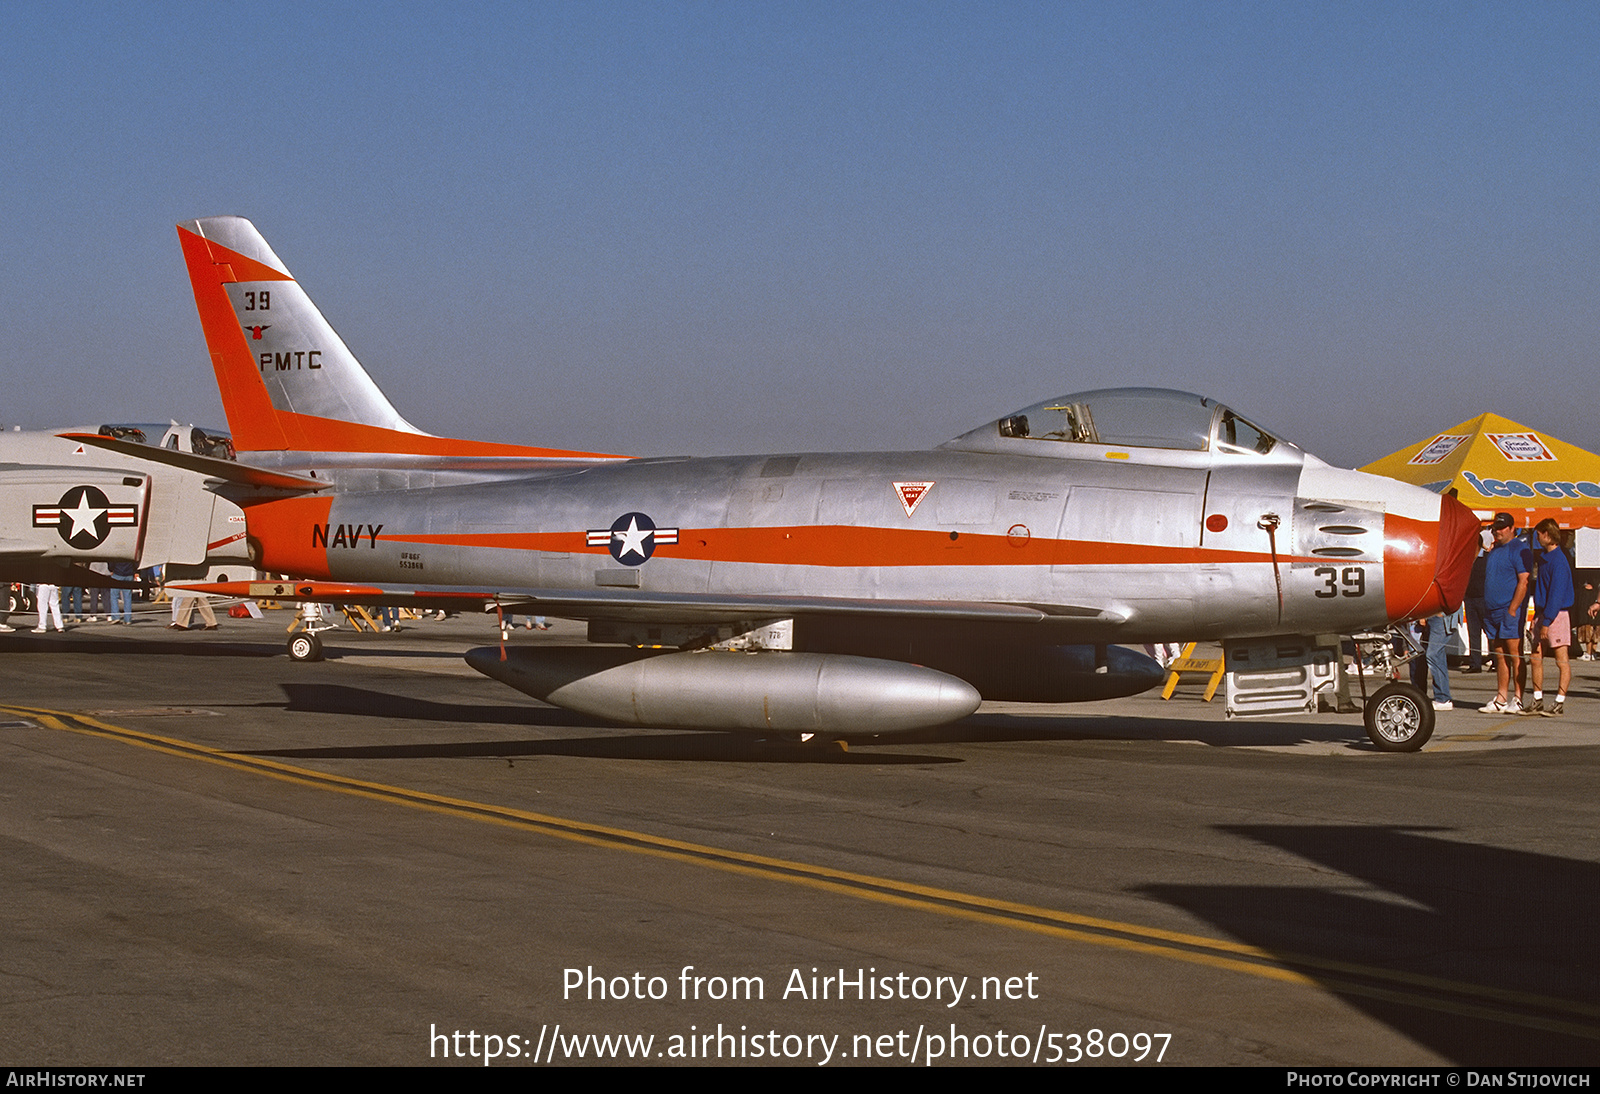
{"x":1399,"y":718}
{"x":305,"y":647}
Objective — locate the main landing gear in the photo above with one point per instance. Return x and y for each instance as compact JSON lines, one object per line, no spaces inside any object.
{"x":306,"y":646}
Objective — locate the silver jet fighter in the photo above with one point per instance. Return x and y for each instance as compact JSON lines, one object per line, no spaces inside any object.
{"x":816,"y":592}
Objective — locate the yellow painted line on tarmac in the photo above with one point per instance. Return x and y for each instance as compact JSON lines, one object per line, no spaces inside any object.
{"x":1469,"y":738}
{"x":1494,"y":731}
{"x":1529,"y":1010}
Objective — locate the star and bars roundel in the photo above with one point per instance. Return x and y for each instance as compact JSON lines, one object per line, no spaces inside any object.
{"x":632,"y":538}
{"x":84,"y":517}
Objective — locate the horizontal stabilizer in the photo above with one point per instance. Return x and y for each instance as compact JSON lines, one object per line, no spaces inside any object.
{"x":226,"y":470}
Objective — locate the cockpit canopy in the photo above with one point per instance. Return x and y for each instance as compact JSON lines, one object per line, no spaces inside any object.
{"x":202,"y":442}
{"x":1129,"y":417}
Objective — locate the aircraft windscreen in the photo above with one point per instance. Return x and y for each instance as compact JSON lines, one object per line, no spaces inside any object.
{"x":1132,"y":417}
{"x":1233,"y":432}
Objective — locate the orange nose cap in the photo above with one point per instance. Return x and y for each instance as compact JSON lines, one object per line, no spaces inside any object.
{"x":1426,"y":564}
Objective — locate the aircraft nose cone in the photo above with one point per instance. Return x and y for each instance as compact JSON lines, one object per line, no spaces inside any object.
{"x":1426,"y":564}
{"x":1460,"y":537}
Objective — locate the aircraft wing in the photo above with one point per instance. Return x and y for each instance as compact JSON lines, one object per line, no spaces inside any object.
{"x":226,"y":470}
{"x":628,"y":605}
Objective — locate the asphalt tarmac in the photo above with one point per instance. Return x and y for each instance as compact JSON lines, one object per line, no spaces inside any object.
{"x":214,"y":855}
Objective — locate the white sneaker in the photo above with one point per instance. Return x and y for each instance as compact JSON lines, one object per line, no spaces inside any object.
{"x":1496,"y":705}
{"x":1513,"y":705}
{"x":1446,"y":705}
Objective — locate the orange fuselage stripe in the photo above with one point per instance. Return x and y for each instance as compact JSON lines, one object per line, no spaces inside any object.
{"x":849,"y":546}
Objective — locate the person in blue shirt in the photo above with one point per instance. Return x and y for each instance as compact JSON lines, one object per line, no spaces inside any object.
{"x":1552,"y":626}
{"x":1505,"y":587}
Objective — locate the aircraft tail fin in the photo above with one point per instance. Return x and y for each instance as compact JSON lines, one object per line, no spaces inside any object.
{"x":288,"y":381}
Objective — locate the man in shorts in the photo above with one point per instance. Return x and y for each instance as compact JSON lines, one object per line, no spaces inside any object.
{"x":1552,"y":626}
{"x":1505,"y":585}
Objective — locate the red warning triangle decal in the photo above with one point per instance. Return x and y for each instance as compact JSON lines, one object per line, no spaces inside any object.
{"x":911,"y":494}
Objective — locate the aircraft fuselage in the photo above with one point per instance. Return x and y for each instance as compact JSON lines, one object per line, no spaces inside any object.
{"x":1147,"y":545}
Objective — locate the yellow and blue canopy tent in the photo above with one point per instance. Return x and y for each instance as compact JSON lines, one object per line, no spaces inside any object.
{"x":1496,"y":465}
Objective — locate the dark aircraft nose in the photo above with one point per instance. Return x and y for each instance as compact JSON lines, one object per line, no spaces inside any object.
{"x":1426,"y":564}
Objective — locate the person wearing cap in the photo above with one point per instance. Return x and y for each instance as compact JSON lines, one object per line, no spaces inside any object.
{"x":1505,"y":585}
{"x":1552,"y":627}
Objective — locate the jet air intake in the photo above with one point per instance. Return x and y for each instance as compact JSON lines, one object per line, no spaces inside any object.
{"x":771,"y":691}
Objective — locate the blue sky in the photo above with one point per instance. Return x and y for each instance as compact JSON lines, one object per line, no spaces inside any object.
{"x":707,"y":228}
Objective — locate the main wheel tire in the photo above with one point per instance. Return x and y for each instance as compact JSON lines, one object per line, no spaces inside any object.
{"x":305,"y":647}
{"x":1399,"y":718}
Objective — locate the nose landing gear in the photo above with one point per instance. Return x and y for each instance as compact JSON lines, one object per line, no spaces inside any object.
{"x":1398,"y":716}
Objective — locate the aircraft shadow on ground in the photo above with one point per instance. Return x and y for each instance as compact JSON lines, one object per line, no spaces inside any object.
{"x":193,"y":643}
{"x":366,"y":703}
{"x":618,"y":743}
{"x":55,"y":644}
{"x":1208,"y":731}
{"x":635,"y":743}
{"x":1513,"y":931}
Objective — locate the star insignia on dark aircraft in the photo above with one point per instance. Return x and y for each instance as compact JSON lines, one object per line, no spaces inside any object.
{"x":84,"y":517}
{"x":632,"y":538}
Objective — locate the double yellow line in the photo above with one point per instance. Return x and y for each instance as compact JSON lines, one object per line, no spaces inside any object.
{"x":1526,"y":1009}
